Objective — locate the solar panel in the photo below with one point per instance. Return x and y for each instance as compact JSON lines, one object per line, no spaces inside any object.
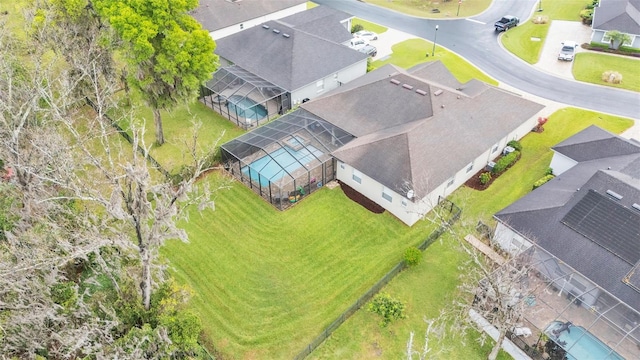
{"x":608,"y":224}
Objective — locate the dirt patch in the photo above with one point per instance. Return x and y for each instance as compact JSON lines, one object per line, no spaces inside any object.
{"x":361,"y":199}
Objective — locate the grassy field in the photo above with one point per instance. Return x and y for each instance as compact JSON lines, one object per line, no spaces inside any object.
{"x":431,"y":285}
{"x":588,"y":67}
{"x":413,"y":52}
{"x":378,"y":29}
{"x":447,"y":9}
{"x":267,"y":282}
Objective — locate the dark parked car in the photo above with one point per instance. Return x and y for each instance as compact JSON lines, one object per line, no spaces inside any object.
{"x":506,"y":23}
{"x":369,"y":50}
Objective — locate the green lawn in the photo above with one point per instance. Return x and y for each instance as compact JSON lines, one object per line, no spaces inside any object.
{"x":378,"y":29}
{"x":268,"y":282}
{"x":431,"y":285}
{"x":562,"y":9}
{"x":413,"y":52}
{"x":178,"y":126}
{"x":588,"y":67}
{"x":526,"y":40}
{"x":447,"y":9}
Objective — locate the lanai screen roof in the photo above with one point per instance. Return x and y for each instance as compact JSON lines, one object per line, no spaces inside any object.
{"x":232,"y":77}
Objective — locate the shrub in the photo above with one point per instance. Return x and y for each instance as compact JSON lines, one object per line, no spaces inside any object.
{"x":356,"y":27}
{"x":587,"y":16}
{"x":412,"y":256}
{"x":504,"y":162}
{"x":485,"y":177}
{"x":515,"y":144}
{"x":387,"y":307}
{"x":542,"y":181}
{"x":549,"y":171}
{"x":612,"y":77}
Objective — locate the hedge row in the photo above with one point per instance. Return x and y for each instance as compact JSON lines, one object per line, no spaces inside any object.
{"x":504,"y":162}
{"x":542,"y":181}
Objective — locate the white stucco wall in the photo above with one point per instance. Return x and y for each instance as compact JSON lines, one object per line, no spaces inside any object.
{"x":230,"y":30}
{"x":509,"y":240}
{"x":561,"y":163}
{"x":330,"y":82}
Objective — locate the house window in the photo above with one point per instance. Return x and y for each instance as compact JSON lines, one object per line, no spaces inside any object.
{"x":386,"y":194}
{"x":607,"y":39}
{"x":469,"y":167}
{"x":320,"y":85}
{"x":342,"y":166}
{"x":357,"y":176}
{"x":451,"y":181}
{"x":404,"y":203}
{"x":495,"y":148}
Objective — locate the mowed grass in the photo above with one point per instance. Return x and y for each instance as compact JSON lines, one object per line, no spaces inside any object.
{"x":268,"y":282}
{"x":519,"y":41}
{"x":413,"y":52}
{"x":562,"y":9}
{"x":447,"y":9}
{"x":432,"y":285}
{"x":179,"y":126}
{"x":589,"y":67}
{"x":378,"y":29}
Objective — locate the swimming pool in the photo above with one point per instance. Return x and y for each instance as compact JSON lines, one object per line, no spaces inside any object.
{"x":579,"y":343}
{"x":245,"y":107}
{"x":274,"y":166}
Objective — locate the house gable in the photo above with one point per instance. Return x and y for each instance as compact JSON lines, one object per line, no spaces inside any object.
{"x":322,"y":21}
{"x":621,"y":15}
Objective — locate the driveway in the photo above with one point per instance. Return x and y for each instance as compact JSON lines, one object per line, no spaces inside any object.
{"x":561,"y":31}
{"x":386,"y":40}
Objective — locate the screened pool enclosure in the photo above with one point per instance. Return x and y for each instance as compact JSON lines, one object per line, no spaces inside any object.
{"x":287,"y":159}
{"x":244,"y":98}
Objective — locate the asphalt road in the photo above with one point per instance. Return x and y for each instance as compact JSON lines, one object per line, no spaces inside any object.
{"x":475,"y":40}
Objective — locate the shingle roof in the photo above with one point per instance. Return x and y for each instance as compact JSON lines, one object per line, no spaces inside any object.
{"x":289,"y":62}
{"x":218,"y":14}
{"x":562,"y":218}
{"x":322,"y":21}
{"x":621,"y":15}
{"x":411,"y":132}
{"x":595,"y":143}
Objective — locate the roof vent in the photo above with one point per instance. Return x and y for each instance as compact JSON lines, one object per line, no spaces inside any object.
{"x":614,"y":194}
{"x":265,"y":26}
{"x":276,"y":31}
{"x":438,"y":92}
{"x":421,"y":92}
{"x":407,"y":86}
{"x":286,"y":35}
{"x":394,"y":81}
{"x":636,"y":206}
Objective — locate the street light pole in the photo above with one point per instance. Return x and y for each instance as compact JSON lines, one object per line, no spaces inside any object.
{"x":458,"y":12}
{"x":435,"y":37}
{"x":540,"y":6}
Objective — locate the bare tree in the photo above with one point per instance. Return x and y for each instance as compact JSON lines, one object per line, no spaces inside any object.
{"x":436,"y":329}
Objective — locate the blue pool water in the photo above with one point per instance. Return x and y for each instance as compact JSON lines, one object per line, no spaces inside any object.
{"x":270,"y":168}
{"x":581,"y":344}
{"x":245,"y":107}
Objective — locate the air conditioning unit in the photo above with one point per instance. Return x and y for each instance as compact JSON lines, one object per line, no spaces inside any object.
{"x":508,"y":150}
{"x":490,"y":166}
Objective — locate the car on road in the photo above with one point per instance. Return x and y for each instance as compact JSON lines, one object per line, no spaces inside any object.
{"x":506,"y":23}
{"x":369,"y":50}
{"x":568,"y":51}
{"x":365,"y":34}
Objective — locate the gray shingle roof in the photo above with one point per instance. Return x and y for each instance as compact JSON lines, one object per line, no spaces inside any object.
{"x":322,"y":21}
{"x":289,"y":62}
{"x":595,"y":143}
{"x":218,"y":14}
{"x":622,"y":15}
{"x":414,"y":134}
{"x":590,"y":250}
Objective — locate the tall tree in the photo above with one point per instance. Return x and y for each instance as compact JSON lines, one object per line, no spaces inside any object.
{"x":168,"y":53}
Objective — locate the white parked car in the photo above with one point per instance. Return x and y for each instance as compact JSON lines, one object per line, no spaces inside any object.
{"x":568,"y":50}
{"x":358,"y":43}
{"x":365,"y":34}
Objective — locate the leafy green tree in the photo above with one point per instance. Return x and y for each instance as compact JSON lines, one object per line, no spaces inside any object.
{"x":617,"y":39}
{"x":388,"y":308}
{"x":168,"y":53}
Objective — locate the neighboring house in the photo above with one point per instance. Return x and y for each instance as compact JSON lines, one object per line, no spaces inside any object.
{"x":266,"y":70}
{"x":621,"y":15}
{"x":226,"y":17}
{"x":585,"y":227}
{"x":415,"y":140}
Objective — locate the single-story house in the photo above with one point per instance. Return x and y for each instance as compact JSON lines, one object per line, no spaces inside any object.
{"x":226,"y":17}
{"x":408,"y":138}
{"x":266,"y":70}
{"x":585,"y":227}
{"x":621,"y":15}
